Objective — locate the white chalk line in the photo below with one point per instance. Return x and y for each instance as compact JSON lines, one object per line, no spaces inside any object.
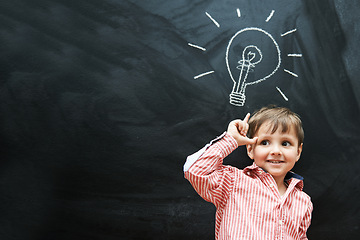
{"x":288,"y":32}
{"x":212,"y":19}
{"x":270,"y":16}
{"x":294,"y":55}
{"x":282,"y":94}
{"x":291,"y":73}
{"x":203,"y":74}
{"x":238,"y":12}
{"x":196,"y":46}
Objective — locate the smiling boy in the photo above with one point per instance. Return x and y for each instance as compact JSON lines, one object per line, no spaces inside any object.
{"x":265,"y":200}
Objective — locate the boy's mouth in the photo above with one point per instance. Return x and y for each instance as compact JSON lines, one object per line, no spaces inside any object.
{"x":274,"y":161}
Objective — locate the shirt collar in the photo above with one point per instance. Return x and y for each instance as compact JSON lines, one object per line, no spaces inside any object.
{"x":253,"y":169}
{"x":290,"y":175}
{"x":256,"y":170}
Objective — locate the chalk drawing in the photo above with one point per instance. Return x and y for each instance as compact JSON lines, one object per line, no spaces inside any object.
{"x":294,"y":55}
{"x":203,"y":74}
{"x":270,"y":16}
{"x":212,"y":19}
{"x":238,"y":12}
{"x":251,"y":56}
{"x":282,"y":94}
{"x":291,"y":73}
{"x":288,"y":32}
{"x":196,"y":46}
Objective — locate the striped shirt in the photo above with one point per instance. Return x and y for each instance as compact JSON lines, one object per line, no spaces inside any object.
{"x":248,"y":203}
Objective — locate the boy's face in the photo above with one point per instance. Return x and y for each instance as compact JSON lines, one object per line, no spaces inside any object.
{"x":276,"y":152}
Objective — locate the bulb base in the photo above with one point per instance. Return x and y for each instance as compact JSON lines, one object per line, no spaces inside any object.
{"x":237,"y":99}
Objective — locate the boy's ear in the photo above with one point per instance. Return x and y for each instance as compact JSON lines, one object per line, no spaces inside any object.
{"x":250,"y":150}
{"x":299,"y":152}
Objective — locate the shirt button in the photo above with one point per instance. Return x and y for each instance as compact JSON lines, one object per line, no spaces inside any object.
{"x":281,"y":222}
{"x":272,"y":185}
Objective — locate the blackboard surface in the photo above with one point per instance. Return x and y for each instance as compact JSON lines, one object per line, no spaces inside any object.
{"x":101,"y":102}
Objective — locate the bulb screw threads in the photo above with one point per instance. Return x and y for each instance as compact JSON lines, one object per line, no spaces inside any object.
{"x":237,"y":99}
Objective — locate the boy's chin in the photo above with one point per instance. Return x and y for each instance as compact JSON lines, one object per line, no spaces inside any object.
{"x":276,"y":173}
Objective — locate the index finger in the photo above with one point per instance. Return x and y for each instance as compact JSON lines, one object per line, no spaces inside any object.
{"x":246,"y":119}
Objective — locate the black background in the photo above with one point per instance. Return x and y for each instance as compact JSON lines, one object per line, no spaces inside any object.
{"x":99,"y":109}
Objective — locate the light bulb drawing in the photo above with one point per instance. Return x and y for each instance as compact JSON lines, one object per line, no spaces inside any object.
{"x":246,"y":64}
{"x":252,"y":56}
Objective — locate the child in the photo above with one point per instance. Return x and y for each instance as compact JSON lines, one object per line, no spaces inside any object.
{"x":264,"y":200}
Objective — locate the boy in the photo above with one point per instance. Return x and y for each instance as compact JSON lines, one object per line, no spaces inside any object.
{"x":264,"y":200}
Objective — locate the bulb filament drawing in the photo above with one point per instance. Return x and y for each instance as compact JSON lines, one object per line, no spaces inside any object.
{"x":251,"y":56}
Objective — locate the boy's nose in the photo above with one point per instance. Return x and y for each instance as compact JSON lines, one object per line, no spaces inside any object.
{"x":275,"y":150}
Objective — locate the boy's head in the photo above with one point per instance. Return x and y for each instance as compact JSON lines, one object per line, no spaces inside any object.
{"x":278,"y":118}
{"x":279,"y":141}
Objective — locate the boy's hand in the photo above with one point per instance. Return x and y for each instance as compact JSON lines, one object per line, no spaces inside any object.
{"x":238,"y":130}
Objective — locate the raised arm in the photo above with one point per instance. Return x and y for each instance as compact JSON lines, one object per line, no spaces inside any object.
{"x":209,"y":177}
{"x":205,"y":170}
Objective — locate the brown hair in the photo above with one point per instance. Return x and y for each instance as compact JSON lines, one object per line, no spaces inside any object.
{"x":278,"y":117}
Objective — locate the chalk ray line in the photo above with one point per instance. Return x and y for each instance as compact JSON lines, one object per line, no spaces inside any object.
{"x":196,"y":46}
{"x":238,"y":12}
{"x":282,"y":94}
{"x":203,"y":74}
{"x":288,"y":32}
{"x":291,"y":73}
{"x":270,"y":16}
{"x":294,"y":55}
{"x":212,"y":19}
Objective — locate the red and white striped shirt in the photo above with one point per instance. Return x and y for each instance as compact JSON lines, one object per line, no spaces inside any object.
{"x":248,"y":203}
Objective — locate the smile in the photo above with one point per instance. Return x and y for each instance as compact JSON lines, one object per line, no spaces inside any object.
{"x":274,"y":161}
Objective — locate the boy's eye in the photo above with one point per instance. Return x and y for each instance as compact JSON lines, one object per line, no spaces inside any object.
{"x":264,"y":142}
{"x":286,"y":144}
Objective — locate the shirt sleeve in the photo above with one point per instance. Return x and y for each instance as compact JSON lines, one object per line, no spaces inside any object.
{"x":206,"y":172}
{"x":306,"y":221}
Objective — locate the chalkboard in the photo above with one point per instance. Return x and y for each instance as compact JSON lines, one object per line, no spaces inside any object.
{"x":101,"y":102}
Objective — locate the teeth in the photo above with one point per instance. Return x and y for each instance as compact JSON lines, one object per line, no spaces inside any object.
{"x":275,"y":161}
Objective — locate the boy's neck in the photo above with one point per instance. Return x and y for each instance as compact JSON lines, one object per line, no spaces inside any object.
{"x":281,"y":185}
